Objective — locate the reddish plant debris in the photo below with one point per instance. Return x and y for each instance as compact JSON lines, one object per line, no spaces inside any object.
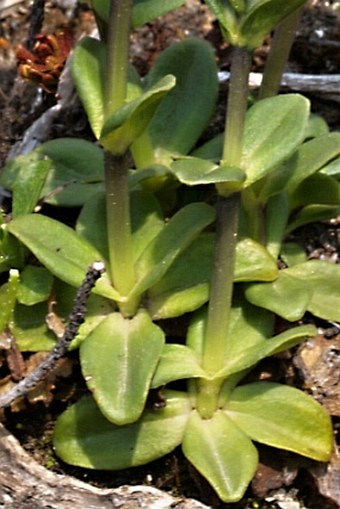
{"x":45,"y":63}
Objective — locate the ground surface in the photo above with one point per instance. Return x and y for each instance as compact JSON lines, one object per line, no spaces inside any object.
{"x":282,"y":478}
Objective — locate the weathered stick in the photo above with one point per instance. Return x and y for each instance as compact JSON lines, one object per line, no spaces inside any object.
{"x":76,"y":318}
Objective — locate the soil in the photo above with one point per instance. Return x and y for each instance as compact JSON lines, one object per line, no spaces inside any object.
{"x":282,"y":478}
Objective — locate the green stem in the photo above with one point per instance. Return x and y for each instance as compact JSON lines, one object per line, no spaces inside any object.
{"x":119,"y":227}
{"x":279,"y":52}
{"x":215,"y":348}
{"x":117,"y":55}
{"x":216,"y":340}
{"x":237,"y":106}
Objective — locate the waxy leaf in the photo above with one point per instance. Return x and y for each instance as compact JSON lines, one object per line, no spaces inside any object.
{"x":181,"y":290}
{"x":176,"y":362}
{"x":56,"y":246}
{"x":8,"y":295}
{"x":177,"y":234}
{"x":261,"y":17}
{"x":307,"y":160}
{"x":83,"y":436}
{"x":77,"y":171}
{"x":187,"y":110}
{"x":322,"y":280}
{"x":118,"y":360}
{"x":143,"y":11}
{"x":250,"y":356}
{"x":282,"y":417}
{"x":30,"y":330}
{"x":311,"y":286}
{"x":124,"y":126}
{"x":35,"y":285}
{"x":274,"y":128}
{"x":28,"y":185}
{"x":193,"y":171}
{"x":146,"y":221}
{"x":222,"y":453}
{"x":311,"y":214}
{"x":88,"y":67}
{"x":286,"y":296}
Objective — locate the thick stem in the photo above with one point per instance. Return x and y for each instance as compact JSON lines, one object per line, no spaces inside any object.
{"x":279,"y":52}
{"x":216,"y":335}
{"x":215,"y":346}
{"x":117,"y":55}
{"x":237,"y":106}
{"x":221,"y":289}
{"x":119,"y":227}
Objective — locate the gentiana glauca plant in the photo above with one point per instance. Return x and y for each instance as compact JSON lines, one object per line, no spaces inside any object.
{"x":274,"y":168}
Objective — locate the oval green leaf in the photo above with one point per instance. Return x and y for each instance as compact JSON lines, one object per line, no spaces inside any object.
{"x":282,"y":417}
{"x":118,"y":361}
{"x":83,"y":436}
{"x":222,"y":453}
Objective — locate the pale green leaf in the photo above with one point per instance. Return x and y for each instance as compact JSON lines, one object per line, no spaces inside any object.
{"x":282,"y":417}
{"x":83,"y":436}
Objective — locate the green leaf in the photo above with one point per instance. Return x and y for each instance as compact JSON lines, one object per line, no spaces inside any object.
{"x":286,"y":296}
{"x":77,"y":171}
{"x":145,"y":11}
{"x":228,"y":19}
{"x":261,"y":17}
{"x":311,"y":214}
{"x":252,"y":324}
{"x":187,"y":109}
{"x":273,"y":130}
{"x":193,"y":171}
{"x":30,"y":330}
{"x":332,"y":169}
{"x":276,"y":218}
{"x":56,"y":246}
{"x":146,"y":221}
{"x":316,"y":189}
{"x":118,"y":360}
{"x":317,"y":126}
{"x":322,"y":280}
{"x":88,"y":67}
{"x":124,"y":126}
{"x":222,"y":453}
{"x":83,"y":436}
{"x":181,"y":290}
{"x":212,"y":149}
{"x":308,"y":159}
{"x":8,"y":295}
{"x":282,"y":417}
{"x":250,"y":356}
{"x":177,"y":234}
{"x":253,"y":262}
{"x":35,"y":285}
{"x":292,"y":254}
{"x":28,"y":185}
{"x":311,"y":286}
{"x":176,"y":362}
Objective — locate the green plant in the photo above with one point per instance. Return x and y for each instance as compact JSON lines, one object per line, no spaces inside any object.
{"x":259,"y":167}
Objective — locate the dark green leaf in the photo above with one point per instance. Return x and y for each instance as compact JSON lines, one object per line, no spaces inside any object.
{"x":187,"y":109}
{"x":35,"y":285}
{"x":28,"y":185}
{"x":8,"y":295}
